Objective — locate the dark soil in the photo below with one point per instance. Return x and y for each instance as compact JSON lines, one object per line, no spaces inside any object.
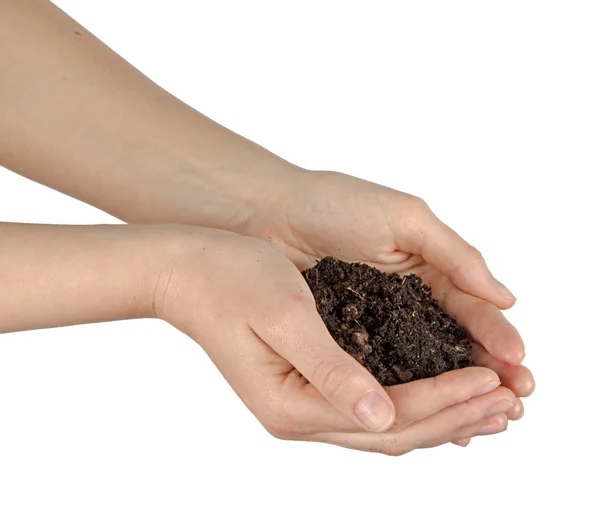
{"x":392,"y":325}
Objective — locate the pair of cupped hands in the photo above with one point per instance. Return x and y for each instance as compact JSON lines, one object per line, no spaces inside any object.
{"x":251,"y":310}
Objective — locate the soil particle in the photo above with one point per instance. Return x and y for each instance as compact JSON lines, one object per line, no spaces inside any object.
{"x":390,"y":324}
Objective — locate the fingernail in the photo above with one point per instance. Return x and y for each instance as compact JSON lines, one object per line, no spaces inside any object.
{"x":501,"y":407}
{"x":374,"y":412}
{"x":490,"y":428}
{"x":490,"y":385}
{"x":503,"y":291}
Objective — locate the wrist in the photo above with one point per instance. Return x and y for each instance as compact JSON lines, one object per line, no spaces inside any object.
{"x":187,"y":256}
{"x":225,"y":194}
{"x":195,"y":271}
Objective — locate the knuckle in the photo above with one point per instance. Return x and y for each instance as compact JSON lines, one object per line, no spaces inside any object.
{"x":471,"y":256}
{"x":286,"y":310}
{"x":289,"y":306}
{"x":413,"y":212}
{"x":391,"y":446}
{"x":278,"y":423}
{"x":473,"y":253}
{"x":332,"y":379}
{"x":279,"y":430}
{"x":416,"y":204}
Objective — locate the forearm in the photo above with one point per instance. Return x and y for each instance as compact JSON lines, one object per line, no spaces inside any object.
{"x":77,"y":117}
{"x":66,"y":275}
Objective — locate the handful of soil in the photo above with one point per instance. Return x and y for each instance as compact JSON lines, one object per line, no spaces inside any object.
{"x":391,"y":324}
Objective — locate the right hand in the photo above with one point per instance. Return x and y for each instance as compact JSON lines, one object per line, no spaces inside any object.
{"x":251,"y":310}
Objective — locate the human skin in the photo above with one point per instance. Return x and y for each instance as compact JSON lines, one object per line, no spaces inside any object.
{"x":80,"y":119}
{"x":193,"y":278}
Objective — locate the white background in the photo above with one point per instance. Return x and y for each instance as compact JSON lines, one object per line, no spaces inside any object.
{"x":488,"y":110}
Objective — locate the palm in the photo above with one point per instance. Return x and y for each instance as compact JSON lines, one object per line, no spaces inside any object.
{"x":330,"y":214}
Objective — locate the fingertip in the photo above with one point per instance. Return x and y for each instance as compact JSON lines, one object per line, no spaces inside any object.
{"x":470,"y":381}
{"x":504,"y":296}
{"x":502,"y":303}
{"x":375,"y":412}
{"x":509,"y":346}
{"x":480,"y":282}
{"x":495,"y":292}
{"x":514,"y":357}
{"x":483,"y":377}
{"x":493,"y":425}
{"x":525,"y":384}
{"x":517,"y":378}
{"x":500,"y":420}
{"x":517,"y":412}
{"x":486,"y":286}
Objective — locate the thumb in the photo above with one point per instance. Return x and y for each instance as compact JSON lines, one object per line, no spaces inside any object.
{"x":444,"y":249}
{"x":297,"y":333}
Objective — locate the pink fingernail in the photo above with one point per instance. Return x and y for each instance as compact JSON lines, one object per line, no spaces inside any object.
{"x":374,"y":412}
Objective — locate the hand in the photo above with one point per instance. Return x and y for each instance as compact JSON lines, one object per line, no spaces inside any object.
{"x":164,"y":162}
{"x":315,"y":214}
{"x":250,"y":308}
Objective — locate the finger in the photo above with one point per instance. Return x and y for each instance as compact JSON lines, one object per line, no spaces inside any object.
{"x":453,"y":423}
{"x":308,"y":411}
{"x":492,"y":425}
{"x":413,"y":401}
{"x":487,"y":325}
{"x":294,"y":329}
{"x":462,"y":443}
{"x":285,"y":403}
{"x":426,"y":235}
{"x":422,"y":398}
{"x":517,"y":412}
{"x":517,"y":378}
{"x":468,"y":419}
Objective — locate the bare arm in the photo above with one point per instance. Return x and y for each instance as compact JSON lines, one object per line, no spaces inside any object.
{"x":64,"y":275}
{"x":77,"y":117}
